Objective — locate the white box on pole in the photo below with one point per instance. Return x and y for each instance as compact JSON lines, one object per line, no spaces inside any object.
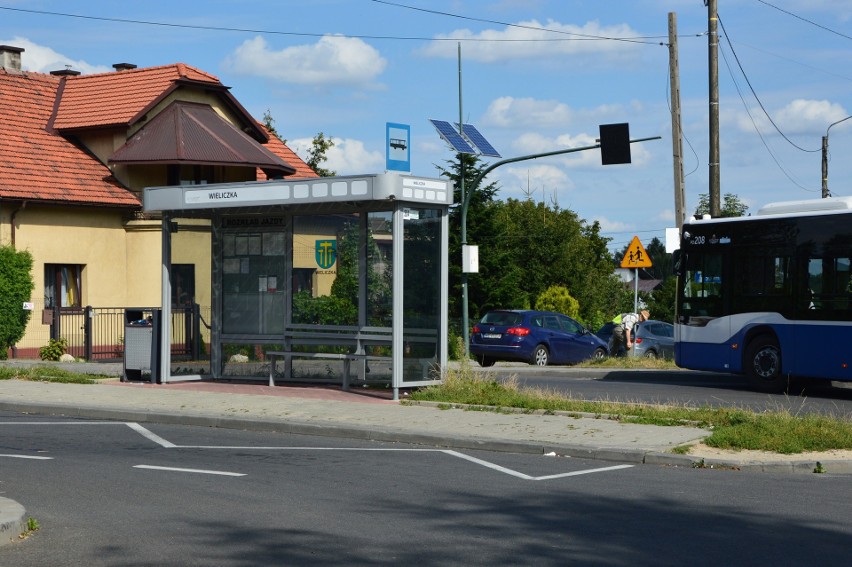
{"x":470,"y":259}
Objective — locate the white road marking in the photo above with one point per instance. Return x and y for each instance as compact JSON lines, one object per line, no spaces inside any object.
{"x":589,"y":471}
{"x":177,"y":469}
{"x":28,"y":457}
{"x":169,"y":445}
{"x":151,"y":436}
{"x":511,"y":472}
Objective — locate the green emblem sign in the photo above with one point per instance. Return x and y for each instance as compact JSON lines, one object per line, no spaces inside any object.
{"x":326,"y":253}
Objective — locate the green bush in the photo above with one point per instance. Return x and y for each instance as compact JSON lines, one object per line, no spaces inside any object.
{"x":557,"y":298}
{"x":53,"y":350}
{"x":16,"y":287}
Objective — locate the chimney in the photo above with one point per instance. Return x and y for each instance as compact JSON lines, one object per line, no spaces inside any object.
{"x":10,"y":57}
{"x":123,"y":66}
{"x":67,"y":72}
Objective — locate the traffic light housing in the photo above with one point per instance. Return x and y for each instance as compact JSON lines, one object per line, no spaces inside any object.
{"x":615,"y":143}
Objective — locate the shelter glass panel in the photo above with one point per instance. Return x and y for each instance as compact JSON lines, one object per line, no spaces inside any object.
{"x":380,"y":269}
{"x":326,"y":247}
{"x":252,"y":268}
{"x":421,"y":293}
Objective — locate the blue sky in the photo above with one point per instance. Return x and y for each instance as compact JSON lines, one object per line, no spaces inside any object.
{"x":347,"y":67}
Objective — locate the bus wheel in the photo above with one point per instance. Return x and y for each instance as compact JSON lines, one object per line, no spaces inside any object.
{"x":762,"y":364}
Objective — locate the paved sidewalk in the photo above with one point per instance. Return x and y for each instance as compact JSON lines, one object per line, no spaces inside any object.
{"x":360,"y":414}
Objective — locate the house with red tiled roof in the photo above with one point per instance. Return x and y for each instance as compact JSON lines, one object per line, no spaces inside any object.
{"x":77,"y":151}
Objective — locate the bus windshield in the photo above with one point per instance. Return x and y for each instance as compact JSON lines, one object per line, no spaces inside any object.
{"x":701,"y":287}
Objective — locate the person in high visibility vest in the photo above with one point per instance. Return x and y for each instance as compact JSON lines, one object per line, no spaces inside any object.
{"x":622,"y":332}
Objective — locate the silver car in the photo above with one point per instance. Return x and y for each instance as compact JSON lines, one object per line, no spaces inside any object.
{"x":653,"y":339}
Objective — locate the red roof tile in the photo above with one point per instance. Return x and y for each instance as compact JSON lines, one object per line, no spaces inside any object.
{"x":279,"y":148}
{"x":112,"y":99}
{"x":38,"y":164}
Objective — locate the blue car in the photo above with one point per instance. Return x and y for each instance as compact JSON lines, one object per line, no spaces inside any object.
{"x":536,"y":337}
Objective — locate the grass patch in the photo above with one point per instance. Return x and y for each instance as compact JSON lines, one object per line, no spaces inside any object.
{"x":630,"y":362}
{"x":48,"y":373}
{"x":737,"y":429}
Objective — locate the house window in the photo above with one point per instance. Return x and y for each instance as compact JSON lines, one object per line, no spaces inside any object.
{"x":183,"y":284}
{"x":63,"y":286}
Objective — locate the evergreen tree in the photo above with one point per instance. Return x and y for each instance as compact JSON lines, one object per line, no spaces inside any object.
{"x":16,"y":287}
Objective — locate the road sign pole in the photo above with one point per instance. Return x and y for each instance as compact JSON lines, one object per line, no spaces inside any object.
{"x":636,"y":290}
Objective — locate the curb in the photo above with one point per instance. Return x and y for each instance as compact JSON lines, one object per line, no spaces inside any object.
{"x":13,"y":521}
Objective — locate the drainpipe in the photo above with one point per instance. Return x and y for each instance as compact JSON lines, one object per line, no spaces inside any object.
{"x":12,"y":221}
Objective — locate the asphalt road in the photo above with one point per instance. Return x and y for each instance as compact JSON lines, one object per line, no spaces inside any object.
{"x":680,"y":387}
{"x":113,"y":494}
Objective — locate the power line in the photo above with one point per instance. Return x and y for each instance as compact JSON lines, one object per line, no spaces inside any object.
{"x":757,"y":98}
{"x":820,"y":26}
{"x":318,"y":34}
{"x":508,"y":25}
{"x":754,"y":124}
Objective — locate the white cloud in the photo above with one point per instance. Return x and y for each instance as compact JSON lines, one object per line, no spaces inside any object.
{"x":510,"y":112}
{"x":608,"y":225}
{"x":519,"y":42}
{"x":507,"y":111}
{"x":532,"y":143}
{"x":44,"y":60}
{"x":333,"y":60}
{"x":800,"y":116}
{"x":535,"y":180}
{"x":345,"y":157}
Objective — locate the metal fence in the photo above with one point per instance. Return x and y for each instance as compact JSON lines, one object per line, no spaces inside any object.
{"x":97,"y":333}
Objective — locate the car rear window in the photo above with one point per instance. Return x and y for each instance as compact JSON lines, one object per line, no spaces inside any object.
{"x":503,"y":318}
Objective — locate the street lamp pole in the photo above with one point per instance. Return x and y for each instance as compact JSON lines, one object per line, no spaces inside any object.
{"x":825,"y":192}
{"x":466,"y":201}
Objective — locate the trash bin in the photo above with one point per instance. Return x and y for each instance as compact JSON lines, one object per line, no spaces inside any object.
{"x":141,"y":344}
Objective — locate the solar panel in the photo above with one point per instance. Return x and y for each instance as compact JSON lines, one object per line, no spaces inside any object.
{"x":452,"y":137}
{"x":478,"y":140}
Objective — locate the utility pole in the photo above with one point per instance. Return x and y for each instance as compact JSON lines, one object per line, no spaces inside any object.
{"x":677,"y":134}
{"x":825,"y":192}
{"x":713,"y":60}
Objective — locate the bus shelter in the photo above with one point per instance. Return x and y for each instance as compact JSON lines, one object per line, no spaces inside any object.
{"x":304,"y":273}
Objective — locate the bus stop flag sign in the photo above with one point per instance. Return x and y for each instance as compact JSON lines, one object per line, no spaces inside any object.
{"x":636,"y":257}
{"x":398,"y":147}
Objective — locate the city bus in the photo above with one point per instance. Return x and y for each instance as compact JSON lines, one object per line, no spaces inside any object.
{"x":768,"y":296}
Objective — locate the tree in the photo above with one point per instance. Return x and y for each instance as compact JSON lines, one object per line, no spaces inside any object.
{"x":316,"y":155}
{"x":16,"y":287}
{"x":484,"y":290}
{"x":661,"y":302}
{"x":731,"y":207}
{"x":269,"y":122}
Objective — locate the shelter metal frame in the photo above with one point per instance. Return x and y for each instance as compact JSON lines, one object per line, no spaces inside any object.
{"x":409,"y":199}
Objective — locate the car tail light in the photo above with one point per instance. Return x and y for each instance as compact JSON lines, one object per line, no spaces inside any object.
{"x":518,"y":331}
{"x":638,"y":340}
{"x":475,"y":328}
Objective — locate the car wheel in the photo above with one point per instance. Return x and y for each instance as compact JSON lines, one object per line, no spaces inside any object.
{"x":599,"y":354}
{"x":762,"y":364}
{"x":485,"y":362}
{"x":650,"y":354}
{"x":540,"y":356}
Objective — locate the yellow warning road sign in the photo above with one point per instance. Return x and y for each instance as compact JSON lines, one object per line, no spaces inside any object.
{"x":636,"y":257}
